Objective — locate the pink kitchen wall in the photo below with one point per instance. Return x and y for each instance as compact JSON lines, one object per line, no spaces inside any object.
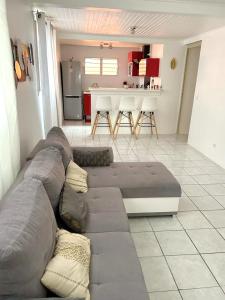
{"x":81,"y":52}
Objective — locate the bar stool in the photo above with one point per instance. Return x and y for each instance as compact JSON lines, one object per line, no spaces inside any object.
{"x":148,"y":108}
{"x":126,"y":106}
{"x":103,"y":107}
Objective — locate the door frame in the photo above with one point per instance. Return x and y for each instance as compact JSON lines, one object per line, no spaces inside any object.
{"x":188,"y":46}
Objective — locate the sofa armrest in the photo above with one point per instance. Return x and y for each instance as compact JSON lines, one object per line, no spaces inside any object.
{"x":93,"y":156}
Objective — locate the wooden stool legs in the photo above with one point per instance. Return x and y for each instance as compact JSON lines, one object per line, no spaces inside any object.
{"x":151,"y":122}
{"x":118,"y":124}
{"x":134,"y":128}
{"x":102,"y":115}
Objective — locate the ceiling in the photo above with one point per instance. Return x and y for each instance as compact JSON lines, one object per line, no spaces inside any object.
{"x":96,"y":43}
{"x":118,"y":22}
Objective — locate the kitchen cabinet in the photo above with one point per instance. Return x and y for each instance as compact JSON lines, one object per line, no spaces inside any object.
{"x":149,"y":67}
{"x":133,"y":62}
{"x":135,"y":56}
{"x":87,"y":107}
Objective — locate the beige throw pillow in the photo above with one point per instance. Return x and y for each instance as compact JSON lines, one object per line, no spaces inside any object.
{"x":67,"y":273}
{"x":76,"y":177}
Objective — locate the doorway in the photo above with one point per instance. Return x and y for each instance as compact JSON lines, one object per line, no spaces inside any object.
{"x":188,"y":90}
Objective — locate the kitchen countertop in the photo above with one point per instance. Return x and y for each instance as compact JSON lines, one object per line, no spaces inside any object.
{"x":123,"y":90}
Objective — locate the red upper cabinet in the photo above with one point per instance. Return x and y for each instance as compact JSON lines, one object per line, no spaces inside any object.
{"x":135,"y":56}
{"x":133,"y":62}
{"x":149,"y":67}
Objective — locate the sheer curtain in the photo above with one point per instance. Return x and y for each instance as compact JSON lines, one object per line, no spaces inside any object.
{"x":46,"y":45}
{"x":9,"y":136}
{"x":52,"y":72}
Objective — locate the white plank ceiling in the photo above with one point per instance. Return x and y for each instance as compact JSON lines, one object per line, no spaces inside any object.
{"x":118,"y":22}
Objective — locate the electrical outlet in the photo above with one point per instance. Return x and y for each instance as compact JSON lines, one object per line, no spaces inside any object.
{"x":214,"y":145}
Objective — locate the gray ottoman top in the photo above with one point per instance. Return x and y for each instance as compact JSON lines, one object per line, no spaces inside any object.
{"x":136,"y":180}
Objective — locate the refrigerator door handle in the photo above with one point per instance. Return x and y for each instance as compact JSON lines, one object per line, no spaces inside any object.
{"x":70,"y":96}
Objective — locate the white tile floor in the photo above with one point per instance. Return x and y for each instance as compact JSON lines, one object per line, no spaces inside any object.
{"x":182,"y":257}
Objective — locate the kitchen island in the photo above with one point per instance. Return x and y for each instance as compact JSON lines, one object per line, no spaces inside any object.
{"x":116,"y":94}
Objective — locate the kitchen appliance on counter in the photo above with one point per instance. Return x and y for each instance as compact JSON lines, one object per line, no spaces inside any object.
{"x":72,"y":90}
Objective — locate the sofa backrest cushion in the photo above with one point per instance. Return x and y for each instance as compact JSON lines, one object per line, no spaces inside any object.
{"x":27,"y":239}
{"x":57,"y":138}
{"x":47,"y":166}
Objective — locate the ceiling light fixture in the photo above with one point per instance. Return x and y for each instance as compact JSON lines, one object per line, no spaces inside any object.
{"x":106,"y":45}
{"x":133,"y":29}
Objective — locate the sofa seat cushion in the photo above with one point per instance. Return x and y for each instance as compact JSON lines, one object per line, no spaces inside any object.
{"x":106,"y":212}
{"x":106,"y":199}
{"x":116,"y":290}
{"x":27,"y":239}
{"x":136,"y":180}
{"x":47,"y":166}
{"x":115,"y":269}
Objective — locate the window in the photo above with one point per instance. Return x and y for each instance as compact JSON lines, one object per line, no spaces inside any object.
{"x":92,"y":66}
{"x":101,"y":66}
{"x":109,"y":66}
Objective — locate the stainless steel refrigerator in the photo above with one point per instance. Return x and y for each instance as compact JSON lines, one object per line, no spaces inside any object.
{"x":72,"y":90}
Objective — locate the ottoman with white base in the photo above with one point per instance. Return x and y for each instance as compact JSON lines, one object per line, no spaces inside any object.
{"x":148,"y":188}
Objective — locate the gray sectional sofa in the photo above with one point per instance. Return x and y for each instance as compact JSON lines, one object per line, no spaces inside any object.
{"x":29,"y":219}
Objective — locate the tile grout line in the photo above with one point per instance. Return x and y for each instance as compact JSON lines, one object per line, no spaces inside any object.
{"x":167,"y":264}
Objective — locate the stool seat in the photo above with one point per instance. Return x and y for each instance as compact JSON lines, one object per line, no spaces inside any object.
{"x":126,"y":106}
{"x":103,"y":103}
{"x":103,"y":107}
{"x":146,"y":116}
{"x":149,"y":104}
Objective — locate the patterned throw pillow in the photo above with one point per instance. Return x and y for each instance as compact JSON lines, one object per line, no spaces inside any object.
{"x":76,"y":177}
{"x":98,"y":158}
{"x":67,"y":273}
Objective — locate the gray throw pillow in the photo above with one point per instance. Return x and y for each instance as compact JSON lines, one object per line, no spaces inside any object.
{"x":98,"y":158}
{"x":73,"y":209}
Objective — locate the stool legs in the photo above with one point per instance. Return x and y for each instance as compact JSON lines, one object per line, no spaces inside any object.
{"x":110,"y":123}
{"x":130,"y":123}
{"x":101,"y":115}
{"x":151,"y":123}
{"x":154,"y":124}
{"x":95,"y":124}
{"x":117,"y":124}
{"x":139,"y":123}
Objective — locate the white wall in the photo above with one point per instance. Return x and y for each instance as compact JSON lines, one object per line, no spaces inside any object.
{"x":208,"y":117}
{"x":20,"y":22}
{"x":169,"y":102}
{"x":81,"y":52}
